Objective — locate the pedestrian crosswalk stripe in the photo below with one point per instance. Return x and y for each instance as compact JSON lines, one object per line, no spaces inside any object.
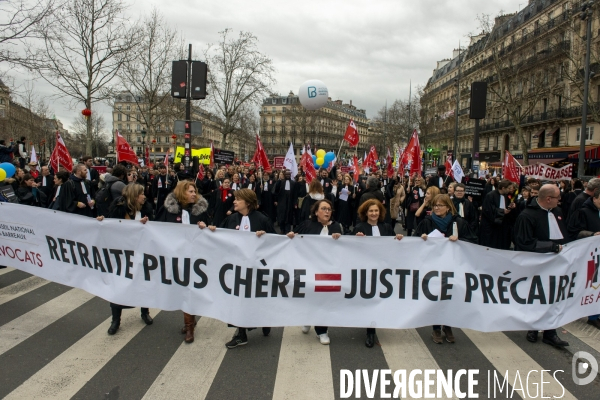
{"x":62,"y":377}
{"x":20,"y":288}
{"x":6,"y":270}
{"x":505,"y":355}
{"x":304,"y":367}
{"x":404,"y":350}
{"x":27,"y":325}
{"x":191,"y":370}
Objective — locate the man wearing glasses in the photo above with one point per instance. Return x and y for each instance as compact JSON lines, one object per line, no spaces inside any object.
{"x":465,"y":208}
{"x":540,"y":228}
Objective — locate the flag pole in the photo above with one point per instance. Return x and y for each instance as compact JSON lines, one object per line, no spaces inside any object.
{"x":340,"y":149}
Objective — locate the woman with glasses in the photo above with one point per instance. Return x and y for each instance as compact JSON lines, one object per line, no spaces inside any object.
{"x":445,"y":220}
{"x":372,"y":214}
{"x":320,"y":223}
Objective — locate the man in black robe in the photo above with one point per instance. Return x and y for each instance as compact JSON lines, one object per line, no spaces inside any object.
{"x":325,"y":181}
{"x":161,"y":187}
{"x":46,"y":182}
{"x":465,"y":208}
{"x":78,"y":193}
{"x":540,"y":228}
{"x":284,"y":191}
{"x":441,"y":180}
{"x":496,"y":218}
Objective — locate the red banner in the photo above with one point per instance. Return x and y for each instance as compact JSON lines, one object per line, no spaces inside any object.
{"x":306,"y":162}
{"x":412,"y":155}
{"x":510,"y":168}
{"x":278,"y":162}
{"x":60,"y":156}
{"x":351,"y":135}
{"x":260,"y":156}
{"x":124,"y":151}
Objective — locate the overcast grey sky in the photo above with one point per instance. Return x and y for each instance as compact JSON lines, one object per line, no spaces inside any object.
{"x":364,"y":51}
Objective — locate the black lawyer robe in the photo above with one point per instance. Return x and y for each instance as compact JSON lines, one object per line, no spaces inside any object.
{"x":465,"y":234}
{"x":285,"y":201}
{"x":258,"y":222}
{"x":496,"y":226}
{"x":311,"y":227}
{"x":366,"y":228}
{"x":471,"y":215}
{"x":532,"y":230}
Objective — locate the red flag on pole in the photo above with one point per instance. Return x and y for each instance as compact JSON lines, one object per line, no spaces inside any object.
{"x":212,"y":155}
{"x":306,"y":162}
{"x":166,"y":162}
{"x":412,"y":154}
{"x":60,"y":155}
{"x":448,"y":166}
{"x":147,"y":156}
{"x":124,"y":151}
{"x":510,"y":170}
{"x":351,"y":135}
{"x":200,"y":175}
{"x":390,"y":167}
{"x":260,"y":156}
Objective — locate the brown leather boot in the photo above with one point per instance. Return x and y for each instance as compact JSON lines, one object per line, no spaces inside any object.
{"x":184,"y":328}
{"x":190,"y":323}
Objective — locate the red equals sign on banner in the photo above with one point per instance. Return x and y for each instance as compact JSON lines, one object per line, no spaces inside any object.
{"x":330,"y":278}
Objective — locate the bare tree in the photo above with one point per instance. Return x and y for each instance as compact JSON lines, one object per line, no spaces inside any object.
{"x":146,"y":73}
{"x":18,"y":21}
{"x":78,"y":133}
{"x":239,"y":75}
{"x":84,"y":46}
{"x":395,"y":122}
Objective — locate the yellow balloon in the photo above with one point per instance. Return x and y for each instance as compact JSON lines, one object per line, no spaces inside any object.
{"x":320,"y":161}
{"x":321,"y":153}
{"x":2,"y":174}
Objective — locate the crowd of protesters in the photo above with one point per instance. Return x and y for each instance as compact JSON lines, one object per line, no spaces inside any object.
{"x":531,"y":216}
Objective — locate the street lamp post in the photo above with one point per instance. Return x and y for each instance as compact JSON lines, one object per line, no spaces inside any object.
{"x":586,"y":14}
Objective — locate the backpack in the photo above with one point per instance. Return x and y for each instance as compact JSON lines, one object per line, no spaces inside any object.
{"x":104,"y":199}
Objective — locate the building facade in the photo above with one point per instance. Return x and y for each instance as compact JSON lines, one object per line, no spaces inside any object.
{"x":283,"y":120}
{"x":532,"y":61}
{"x":140,"y":127}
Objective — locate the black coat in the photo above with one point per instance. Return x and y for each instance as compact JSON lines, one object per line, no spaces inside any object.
{"x":584,"y":222}
{"x":327,"y":185}
{"x":532,"y":232}
{"x":465,"y":233}
{"x":285,"y":201}
{"x":171,"y":211}
{"x":218,"y":208}
{"x":496,"y":226}
{"x":266,"y":198}
{"x":578,"y":201}
{"x":118,"y":209}
{"x":311,"y":227}
{"x":385,"y":229}
{"x":470,"y":212}
{"x":48,"y":188}
{"x":413,"y":196}
{"x":345,"y":208}
{"x":372,"y":194}
{"x":258,"y":222}
{"x":62,"y":202}
{"x":74,"y":191}
{"x":162,"y":185}
{"x":30,"y":197}
{"x":435,"y":181}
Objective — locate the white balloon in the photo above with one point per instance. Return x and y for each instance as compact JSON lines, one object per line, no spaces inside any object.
{"x":313,"y":94}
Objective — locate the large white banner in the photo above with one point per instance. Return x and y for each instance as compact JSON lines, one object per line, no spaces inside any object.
{"x":239,"y":278}
{"x":547,"y":173}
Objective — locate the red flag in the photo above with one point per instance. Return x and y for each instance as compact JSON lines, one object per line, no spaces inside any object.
{"x":412,"y":154}
{"x":124,"y":151}
{"x":260,"y":156}
{"x":212,"y":155}
{"x":306,"y":162}
{"x":400,"y":165}
{"x":60,"y":155}
{"x":166,"y":162}
{"x":510,"y":170}
{"x":390,"y":167}
{"x":200,"y":175}
{"x":351,"y":135}
{"x":448,"y":166}
{"x":355,"y":168}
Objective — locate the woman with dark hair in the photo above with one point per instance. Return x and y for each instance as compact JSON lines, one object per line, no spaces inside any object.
{"x":129,"y":206}
{"x":29,"y":194}
{"x":315,"y":193}
{"x":59,"y":202}
{"x":320,"y":223}
{"x":414,"y":199}
{"x":345,"y":200}
{"x":246,"y":218}
{"x":185,"y":206}
{"x":445,"y":219}
{"x":208,"y":183}
{"x":221,"y":202}
{"x":372,"y":214}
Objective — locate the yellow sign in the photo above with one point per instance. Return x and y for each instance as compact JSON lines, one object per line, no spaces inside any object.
{"x":202,"y":154}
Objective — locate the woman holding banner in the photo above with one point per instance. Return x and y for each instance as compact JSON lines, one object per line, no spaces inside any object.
{"x":185,"y":206}
{"x":320,"y":223}
{"x":129,"y":206}
{"x":372,"y":214}
{"x":446,"y":221}
{"x":246,"y":218}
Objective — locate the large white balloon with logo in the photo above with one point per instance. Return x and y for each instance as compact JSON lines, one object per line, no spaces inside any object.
{"x":313,"y":94}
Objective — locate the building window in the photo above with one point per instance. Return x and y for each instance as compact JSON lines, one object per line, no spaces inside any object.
{"x":119,"y":107}
{"x":120,"y":126}
{"x":139,"y":139}
{"x":129,"y":138}
{"x":119,"y":117}
{"x":139,"y":149}
{"x":128,"y":107}
{"x":273,"y":137}
{"x":273,"y":130}
{"x":282,"y":118}
{"x":284,"y":101}
{"x":139,"y":128}
{"x":128,"y":98}
{"x":273,"y":119}
{"x":590,"y":133}
{"x":128,"y":117}
{"x":128,"y":127}
{"x":274,"y":109}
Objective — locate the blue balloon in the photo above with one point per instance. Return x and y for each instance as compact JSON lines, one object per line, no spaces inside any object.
{"x":329,"y":157}
{"x":314,"y":159}
{"x":8,"y":168}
